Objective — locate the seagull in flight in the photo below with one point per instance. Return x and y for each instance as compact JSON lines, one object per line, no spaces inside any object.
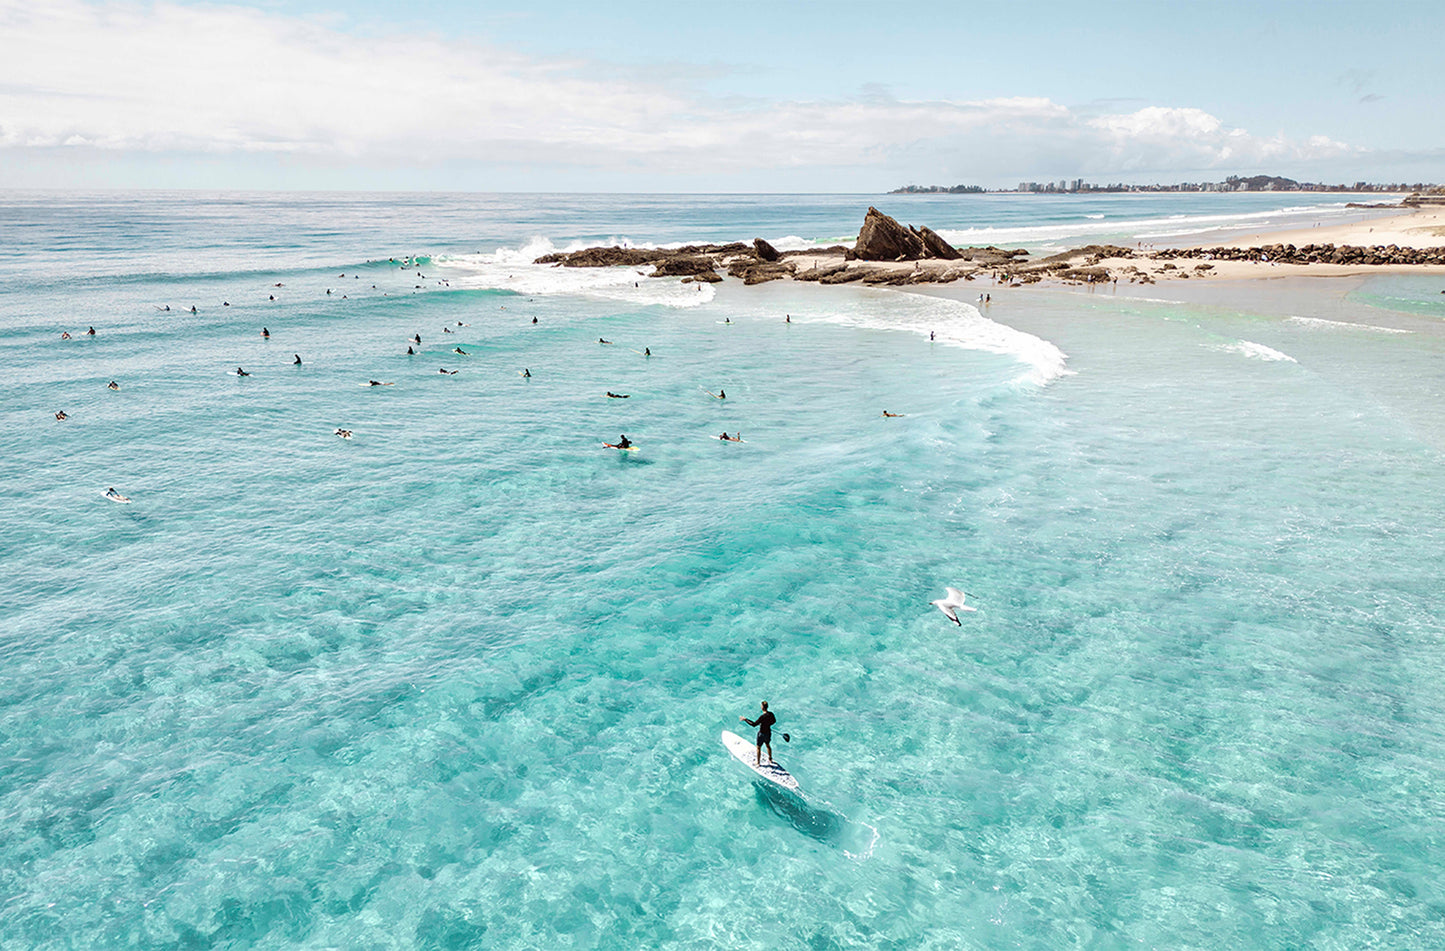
{"x":952,"y":604}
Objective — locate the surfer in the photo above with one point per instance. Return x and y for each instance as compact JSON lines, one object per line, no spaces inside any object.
{"x":726,"y":437}
{"x":90,"y":332}
{"x":764,"y":723}
{"x":416,"y":338}
{"x":534,"y":320}
{"x":893,"y":415}
{"x":265,"y":333}
{"x":410,"y":352}
{"x":600,"y":340}
{"x":722,"y":394}
{"x":647,"y":351}
{"x":377,"y":383}
{"x":241,"y":372}
{"x":447,"y":372}
{"x":112,"y":385}
{"x":623,"y":442}
{"x":62,"y":414}
{"x":297,"y":361}
{"x":618,"y":396}
{"x":459,"y":350}
{"x":526,"y":373}
{"x":65,"y":335}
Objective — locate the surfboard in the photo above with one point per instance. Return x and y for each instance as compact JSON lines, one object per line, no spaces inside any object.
{"x":747,"y":754}
{"x":609,"y":445}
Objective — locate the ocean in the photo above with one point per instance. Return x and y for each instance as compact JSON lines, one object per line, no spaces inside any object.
{"x":458,"y":681}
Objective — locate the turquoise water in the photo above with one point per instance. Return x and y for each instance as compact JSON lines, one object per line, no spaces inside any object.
{"x":458,"y":681}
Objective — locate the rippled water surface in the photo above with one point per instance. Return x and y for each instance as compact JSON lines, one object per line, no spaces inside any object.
{"x":458,"y":682}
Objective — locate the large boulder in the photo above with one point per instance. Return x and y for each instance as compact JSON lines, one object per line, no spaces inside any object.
{"x":883,"y":239}
{"x":765,"y":251}
{"x":935,"y":245}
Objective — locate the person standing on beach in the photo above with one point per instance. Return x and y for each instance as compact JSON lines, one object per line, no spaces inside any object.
{"x":764,"y":723}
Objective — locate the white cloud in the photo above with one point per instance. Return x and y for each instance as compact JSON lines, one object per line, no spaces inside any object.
{"x":167,"y":78}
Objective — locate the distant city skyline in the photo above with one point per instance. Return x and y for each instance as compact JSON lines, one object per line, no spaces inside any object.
{"x":810,"y":96}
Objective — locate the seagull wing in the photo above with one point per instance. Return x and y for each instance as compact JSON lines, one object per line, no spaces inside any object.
{"x":947,"y":610}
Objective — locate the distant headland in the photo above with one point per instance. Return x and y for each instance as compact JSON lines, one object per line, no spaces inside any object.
{"x":1234,"y":183}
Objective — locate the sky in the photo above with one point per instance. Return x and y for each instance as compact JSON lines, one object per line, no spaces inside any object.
{"x":742,"y":96}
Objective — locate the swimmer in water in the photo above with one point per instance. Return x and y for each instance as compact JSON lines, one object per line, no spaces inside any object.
{"x":534,"y":320}
{"x":930,"y":336}
{"x":240,"y":372}
{"x":65,"y":335}
{"x":618,"y":396}
{"x":297,"y":361}
{"x":460,"y":350}
{"x":112,"y":385}
{"x":722,"y":394}
{"x":265,"y":333}
{"x":272,"y":297}
{"x":787,"y":318}
{"x":647,"y":351}
{"x":447,"y":372}
{"x":62,"y":414}
{"x":90,"y":332}
{"x":193,"y":308}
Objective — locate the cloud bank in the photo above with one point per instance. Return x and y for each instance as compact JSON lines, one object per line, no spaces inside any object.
{"x":169,"y":78}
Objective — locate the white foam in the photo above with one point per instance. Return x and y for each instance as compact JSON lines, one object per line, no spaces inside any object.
{"x":1321,"y":323}
{"x":1257,"y":351}
{"x":510,"y":269}
{"x":954,"y":323}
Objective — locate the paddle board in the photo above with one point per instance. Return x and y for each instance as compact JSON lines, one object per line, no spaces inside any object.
{"x":746,"y":752}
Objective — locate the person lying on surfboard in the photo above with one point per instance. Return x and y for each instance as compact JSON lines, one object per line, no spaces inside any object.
{"x":764,"y":723}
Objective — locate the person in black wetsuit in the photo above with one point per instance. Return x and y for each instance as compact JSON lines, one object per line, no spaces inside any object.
{"x":764,"y":723}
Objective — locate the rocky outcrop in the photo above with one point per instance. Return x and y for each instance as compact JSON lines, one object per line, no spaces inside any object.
{"x":883,"y":239}
{"x":600,"y":257}
{"x":753,"y":271}
{"x":1310,"y":254}
{"x":683,"y":265}
{"x":765,"y":251}
{"x":935,"y":245}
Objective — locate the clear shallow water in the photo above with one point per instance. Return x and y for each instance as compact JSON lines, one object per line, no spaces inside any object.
{"x":458,"y":682}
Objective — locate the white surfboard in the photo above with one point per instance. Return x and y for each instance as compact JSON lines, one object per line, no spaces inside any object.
{"x":747,"y":753}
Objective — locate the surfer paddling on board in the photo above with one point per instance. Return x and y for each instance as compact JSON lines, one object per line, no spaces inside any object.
{"x":764,"y":723}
